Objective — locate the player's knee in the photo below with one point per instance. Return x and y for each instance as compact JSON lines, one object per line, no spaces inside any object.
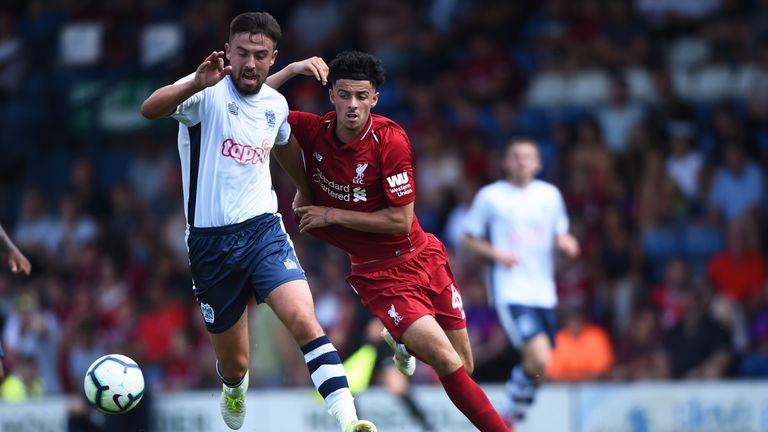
{"x":536,"y":365}
{"x":304,"y":327}
{"x":444,"y":361}
{"x":234,"y":366}
{"x":469,"y":364}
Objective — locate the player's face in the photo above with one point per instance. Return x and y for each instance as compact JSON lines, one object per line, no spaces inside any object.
{"x":353,"y":101}
{"x":522,"y":162}
{"x":250,"y":55}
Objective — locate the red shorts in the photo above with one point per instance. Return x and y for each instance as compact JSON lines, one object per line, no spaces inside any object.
{"x":422,"y":285}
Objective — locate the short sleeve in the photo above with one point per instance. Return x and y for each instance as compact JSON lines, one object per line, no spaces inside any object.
{"x":479,"y":215}
{"x":302,"y":124}
{"x":188,"y":112}
{"x":397,"y":168}
{"x":284,"y":131}
{"x":561,"y":222}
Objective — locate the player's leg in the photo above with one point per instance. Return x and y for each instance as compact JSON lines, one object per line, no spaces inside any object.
{"x":219,"y":288}
{"x":280,"y":282}
{"x":293,"y":304}
{"x":460,"y":342}
{"x":427,"y":340}
{"x":531,"y":331}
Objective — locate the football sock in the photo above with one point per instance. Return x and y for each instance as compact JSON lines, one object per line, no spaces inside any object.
{"x":233,"y":388}
{"x":521,"y":392}
{"x":470,"y":399}
{"x":328,"y":375}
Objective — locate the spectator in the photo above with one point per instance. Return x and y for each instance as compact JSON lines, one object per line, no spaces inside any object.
{"x":582,"y":352}
{"x":617,"y":118}
{"x":698,"y":346}
{"x":23,"y":383}
{"x":738,"y":189}
{"x":739,"y":272}
{"x":639,"y":347}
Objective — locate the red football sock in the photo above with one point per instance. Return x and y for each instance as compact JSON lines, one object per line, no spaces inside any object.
{"x":470,"y":399}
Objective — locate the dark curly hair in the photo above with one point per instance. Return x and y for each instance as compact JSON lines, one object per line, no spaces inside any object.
{"x":256,"y":23}
{"x":358,"y":66}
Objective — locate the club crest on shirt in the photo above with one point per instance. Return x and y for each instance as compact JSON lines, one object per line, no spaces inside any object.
{"x":232,"y":108}
{"x":360,"y":173}
{"x":270,"y":116}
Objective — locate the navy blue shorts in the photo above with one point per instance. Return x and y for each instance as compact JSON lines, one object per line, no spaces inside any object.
{"x":523,"y":323}
{"x":232,"y":263}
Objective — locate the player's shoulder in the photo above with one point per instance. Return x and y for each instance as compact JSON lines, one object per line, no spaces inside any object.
{"x":384,"y":129}
{"x":545,"y":187}
{"x":270,"y":95}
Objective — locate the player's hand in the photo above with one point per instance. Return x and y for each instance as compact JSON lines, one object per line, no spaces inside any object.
{"x":312,"y":66}
{"x":506,"y":259}
{"x":301,"y":199}
{"x":19,"y":263}
{"x":312,"y":217}
{"x":211,"y":70}
{"x":568,"y":245}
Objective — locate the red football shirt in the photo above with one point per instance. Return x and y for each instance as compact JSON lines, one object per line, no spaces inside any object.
{"x":372,"y":172}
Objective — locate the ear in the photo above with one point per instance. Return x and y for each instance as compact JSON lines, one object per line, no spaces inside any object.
{"x":227,"y":50}
{"x":332,"y":96}
{"x":274,"y":57}
{"x":375,"y":99}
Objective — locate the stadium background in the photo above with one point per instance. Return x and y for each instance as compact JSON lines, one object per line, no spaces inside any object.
{"x":652,"y":116}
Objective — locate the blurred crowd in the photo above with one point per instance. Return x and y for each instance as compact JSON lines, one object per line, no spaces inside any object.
{"x":651,"y":116}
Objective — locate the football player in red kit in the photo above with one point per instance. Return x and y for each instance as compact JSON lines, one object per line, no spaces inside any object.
{"x":356,"y":191}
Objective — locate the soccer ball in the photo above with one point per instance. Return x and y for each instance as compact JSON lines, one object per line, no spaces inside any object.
{"x":114,"y":384}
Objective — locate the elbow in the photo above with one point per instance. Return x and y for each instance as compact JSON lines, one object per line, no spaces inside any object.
{"x":404,"y":226}
{"x":146,"y":111}
{"x":149,"y":112}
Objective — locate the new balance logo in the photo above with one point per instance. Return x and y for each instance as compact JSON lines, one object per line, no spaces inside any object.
{"x":394,"y":315}
{"x":359,"y":194}
{"x":318,"y":156}
{"x":398,"y":179}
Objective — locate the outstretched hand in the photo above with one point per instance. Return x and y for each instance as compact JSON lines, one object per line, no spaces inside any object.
{"x":313,"y":66}
{"x":212,"y":70}
{"x":19,"y":263}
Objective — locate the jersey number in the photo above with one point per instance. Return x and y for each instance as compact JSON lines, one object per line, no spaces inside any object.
{"x":456,"y":302}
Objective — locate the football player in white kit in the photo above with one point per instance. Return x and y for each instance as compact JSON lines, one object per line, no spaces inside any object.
{"x":230,"y":122}
{"x":518,"y":224}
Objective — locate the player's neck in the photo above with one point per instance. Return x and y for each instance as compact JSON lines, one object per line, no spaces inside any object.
{"x":519,"y":182}
{"x":345,"y":136}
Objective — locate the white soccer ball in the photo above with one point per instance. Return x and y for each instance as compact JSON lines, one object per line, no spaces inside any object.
{"x":114,"y":384}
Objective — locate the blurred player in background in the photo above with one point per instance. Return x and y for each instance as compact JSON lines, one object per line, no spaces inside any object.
{"x":518,"y":224}
{"x":360,"y":184}
{"x":238,"y":247}
{"x":18,"y":264}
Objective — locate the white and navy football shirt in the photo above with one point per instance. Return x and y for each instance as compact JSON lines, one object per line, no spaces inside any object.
{"x":225,"y":140}
{"x":525,"y":222}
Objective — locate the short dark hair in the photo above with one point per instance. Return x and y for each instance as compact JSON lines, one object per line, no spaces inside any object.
{"x":256,"y":23}
{"x":357,"y":66}
{"x":523,"y":140}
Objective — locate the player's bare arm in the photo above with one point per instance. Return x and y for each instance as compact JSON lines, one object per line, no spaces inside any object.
{"x":313,"y":66}
{"x":391,"y":220}
{"x":163,"y":101}
{"x":487,"y":251}
{"x":16,"y":260}
{"x":291,"y":159}
{"x":567,"y":244}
